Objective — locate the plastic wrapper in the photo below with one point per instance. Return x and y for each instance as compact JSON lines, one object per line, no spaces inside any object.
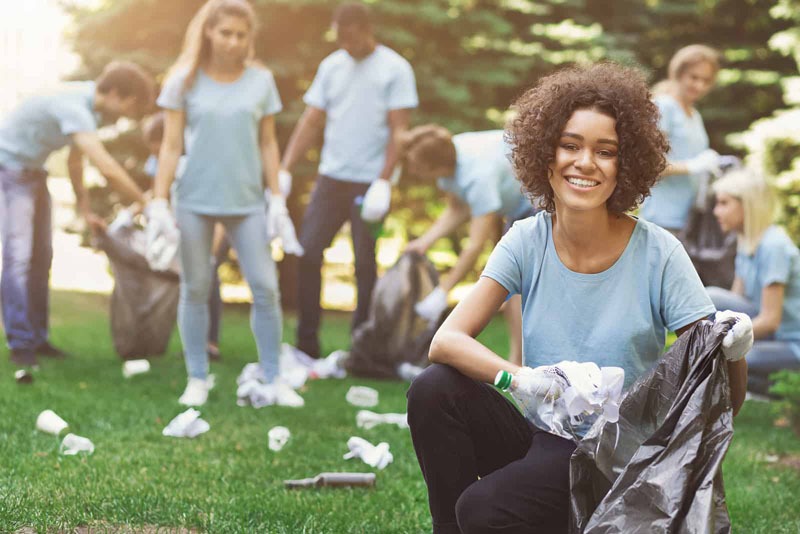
{"x":144,"y":302}
{"x":393,"y":332}
{"x":657,"y":469}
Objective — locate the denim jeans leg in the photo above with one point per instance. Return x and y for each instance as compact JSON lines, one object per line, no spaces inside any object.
{"x":19,"y":196}
{"x":366,"y":265}
{"x":42,"y":260}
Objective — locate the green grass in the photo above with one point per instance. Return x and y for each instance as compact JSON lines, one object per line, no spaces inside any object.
{"x":227,"y":480}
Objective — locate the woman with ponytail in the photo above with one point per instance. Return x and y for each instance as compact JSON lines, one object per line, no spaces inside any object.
{"x":220,"y":108}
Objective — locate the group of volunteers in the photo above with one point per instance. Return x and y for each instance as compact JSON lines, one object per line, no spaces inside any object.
{"x":578,"y":276}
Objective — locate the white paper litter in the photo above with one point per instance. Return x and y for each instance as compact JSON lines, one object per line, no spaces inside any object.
{"x":367,"y":419}
{"x":278,"y":436}
{"x":363,"y":396}
{"x":186,"y":425}
{"x":377,"y":456}
{"x":72,"y":445}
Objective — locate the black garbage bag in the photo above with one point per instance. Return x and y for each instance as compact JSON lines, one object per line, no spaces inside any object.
{"x":393,"y":333}
{"x":658,"y":469}
{"x":144,"y":303}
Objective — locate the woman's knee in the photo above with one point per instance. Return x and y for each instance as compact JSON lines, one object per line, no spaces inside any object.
{"x":476,"y":510}
{"x":432,"y":387}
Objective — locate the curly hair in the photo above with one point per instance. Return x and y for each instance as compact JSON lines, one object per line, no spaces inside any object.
{"x":619,"y":92}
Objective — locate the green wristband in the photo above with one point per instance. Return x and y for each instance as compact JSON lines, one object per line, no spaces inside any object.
{"x":503,"y":380}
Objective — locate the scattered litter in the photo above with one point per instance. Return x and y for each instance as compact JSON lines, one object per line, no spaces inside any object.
{"x":408,"y":371}
{"x":48,"y":421}
{"x":330,"y":367}
{"x":278,"y":436}
{"x":367,"y":419}
{"x":135,"y":367}
{"x":362,"y":396}
{"x":377,"y":456}
{"x":73,"y":444}
{"x":186,"y":425}
{"x":22,"y":376}
{"x":253,"y":392}
{"x":336,"y":480}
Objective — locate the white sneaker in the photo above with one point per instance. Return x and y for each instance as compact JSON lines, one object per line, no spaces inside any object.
{"x":286,"y":396}
{"x":196,"y":392}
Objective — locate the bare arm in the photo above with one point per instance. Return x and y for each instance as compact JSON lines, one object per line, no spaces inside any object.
{"x":455,"y":344}
{"x":89,"y":143}
{"x":455,"y":214}
{"x":737,"y":376}
{"x":738,"y":286}
{"x":481,"y":230}
{"x":270,"y":154}
{"x":170,"y":153}
{"x":398,"y":123}
{"x":675,"y":167}
{"x":75,"y":171}
{"x":305,"y":133}
{"x":769,"y":317}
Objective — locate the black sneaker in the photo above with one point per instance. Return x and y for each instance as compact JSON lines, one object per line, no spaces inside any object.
{"x":49,"y":351}
{"x":23,"y":358}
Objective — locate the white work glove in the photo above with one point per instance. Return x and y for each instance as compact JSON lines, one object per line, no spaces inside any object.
{"x":539,"y":383}
{"x":376,"y":201}
{"x":431,"y":307}
{"x":280,"y":225}
{"x":124,"y":219}
{"x":284,"y":182}
{"x":377,"y":456}
{"x":161,"y":235}
{"x":707,"y":161}
{"x":739,"y":339}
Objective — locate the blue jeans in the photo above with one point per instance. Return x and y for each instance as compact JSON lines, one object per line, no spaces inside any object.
{"x":767,"y":356}
{"x":332,"y":203}
{"x":248,"y":235}
{"x":27,"y":256}
{"x":215,"y":297}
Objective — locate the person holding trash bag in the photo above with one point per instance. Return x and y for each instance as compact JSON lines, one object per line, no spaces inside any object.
{"x":224,"y":106}
{"x":362,"y":96}
{"x":767,"y":283}
{"x":474,"y":171}
{"x":692,"y":73}
{"x":67,"y":115}
{"x":597,"y":286}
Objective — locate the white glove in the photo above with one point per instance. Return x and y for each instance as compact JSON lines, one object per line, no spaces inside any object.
{"x":431,"y":307}
{"x":707,"y":161}
{"x":284,"y":182}
{"x":280,"y":225}
{"x":376,"y":201}
{"x":377,"y":456}
{"x":540,"y":383}
{"x":124,"y":219}
{"x":739,"y":339}
{"x":161,"y":235}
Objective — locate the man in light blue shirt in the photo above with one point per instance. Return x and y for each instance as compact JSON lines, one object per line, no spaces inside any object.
{"x":28,"y":135}
{"x":362,"y":96}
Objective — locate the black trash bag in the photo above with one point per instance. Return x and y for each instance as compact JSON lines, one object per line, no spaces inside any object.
{"x":393,"y":333}
{"x":144,"y":303}
{"x":658,"y":468}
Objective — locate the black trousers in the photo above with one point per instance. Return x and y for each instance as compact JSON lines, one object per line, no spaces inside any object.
{"x":486,"y":467}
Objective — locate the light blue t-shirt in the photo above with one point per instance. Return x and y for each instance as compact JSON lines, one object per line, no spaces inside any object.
{"x":776,"y":260}
{"x":672,"y":197}
{"x":618,"y":317}
{"x":484,"y":178}
{"x":356,"y":96}
{"x":223,"y":174}
{"x":44,"y":123}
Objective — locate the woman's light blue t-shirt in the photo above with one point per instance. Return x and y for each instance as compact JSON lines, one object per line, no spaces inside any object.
{"x":776,"y":261}
{"x":619,"y":317}
{"x":223,"y":174}
{"x":45,"y":123}
{"x":672,"y":197}
{"x":484,"y":177}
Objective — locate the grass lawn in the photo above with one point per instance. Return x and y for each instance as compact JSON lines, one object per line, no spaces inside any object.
{"x":227,"y":480}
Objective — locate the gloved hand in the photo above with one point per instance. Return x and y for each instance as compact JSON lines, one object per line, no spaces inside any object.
{"x":285,"y":182}
{"x":541,"y":382}
{"x":280,"y":225}
{"x":376,"y":201}
{"x":161,"y":235}
{"x":124,"y":219}
{"x":432,"y":306}
{"x":739,"y":339}
{"x":377,"y":456}
{"x":707,"y":161}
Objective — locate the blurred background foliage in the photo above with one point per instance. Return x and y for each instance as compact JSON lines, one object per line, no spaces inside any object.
{"x":473,"y":57}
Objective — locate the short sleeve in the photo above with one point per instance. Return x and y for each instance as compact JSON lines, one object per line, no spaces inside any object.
{"x":316,"y":94}
{"x":172,"y":94}
{"x":775,"y":264}
{"x":272,"y":102}
{"x":684,"y":300}
{"x":74,"y":118}
{"x":482,"y":194}
{"x":403,"y":88}
{"x":505,"y":262}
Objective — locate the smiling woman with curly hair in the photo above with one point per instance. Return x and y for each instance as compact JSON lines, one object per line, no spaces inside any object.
{"x":597,"y":285}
